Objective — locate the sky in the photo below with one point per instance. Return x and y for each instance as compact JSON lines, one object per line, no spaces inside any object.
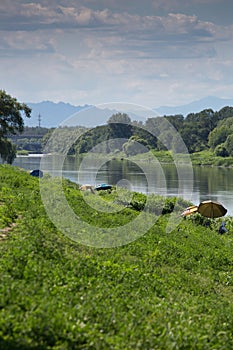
{"x":150,"y":53}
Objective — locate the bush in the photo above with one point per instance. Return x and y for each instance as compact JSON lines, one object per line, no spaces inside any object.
{"x":221,"y":151}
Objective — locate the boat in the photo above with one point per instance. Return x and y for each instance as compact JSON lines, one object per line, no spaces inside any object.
{"x":103,"y":187}
{"x":36,"y":173}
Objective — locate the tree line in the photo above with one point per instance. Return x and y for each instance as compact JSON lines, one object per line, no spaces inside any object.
{"x":200,"y":131}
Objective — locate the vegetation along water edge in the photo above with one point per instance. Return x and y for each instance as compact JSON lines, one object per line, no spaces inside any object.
{"x":207,"y":136}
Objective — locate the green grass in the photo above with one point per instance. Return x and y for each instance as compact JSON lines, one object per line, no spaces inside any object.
{"x":209,"y":158}
{"x":163,"y":291}
{"x":22,"y":152}
{"x":206,"y":158}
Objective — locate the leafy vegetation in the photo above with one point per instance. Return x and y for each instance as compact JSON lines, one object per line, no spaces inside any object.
{"x":11,"y":122}
{"x":210,"y":158}
{"x":163,"y":291}
{"x":30,"y":140}
{"x":197,"y":130}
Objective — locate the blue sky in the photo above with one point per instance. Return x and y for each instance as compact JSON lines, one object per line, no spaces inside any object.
{"x":151,"y":52}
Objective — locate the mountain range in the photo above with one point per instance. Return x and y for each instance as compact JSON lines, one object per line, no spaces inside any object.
{"x":212,"y":102}
{"x":53,"y":114}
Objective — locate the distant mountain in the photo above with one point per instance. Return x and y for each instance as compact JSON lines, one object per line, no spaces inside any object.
{"x":212,"y":102}
{"x":64,"y":114}
{"x":56,"y":114}
{"x":52,"y":114}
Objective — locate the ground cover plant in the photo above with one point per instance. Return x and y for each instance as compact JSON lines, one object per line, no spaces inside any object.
{"x":163,"y":291}
{"x":203,"y":158}
{"x":208,"y":157}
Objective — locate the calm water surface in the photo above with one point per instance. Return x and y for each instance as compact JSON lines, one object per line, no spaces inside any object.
{"x":207,"y":182}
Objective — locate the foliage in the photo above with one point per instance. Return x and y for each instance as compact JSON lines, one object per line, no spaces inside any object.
{"x":229,"y":144}
{"x":163,"y":156}
{"x":30,"y":140}
{"x":31,"y":131}
{"x":218,"y":136}
{"x":11,"y":122}
{"x":7,"y":151}
{"x":196,"y":133}
{"x":198,"y":126}
{"x":119,"y":118}
{"x":22,"y":152}
{"x":221,"y":151}
{"x":204,"y":158}
{"x":176,"y":120}
{"x":135,"y":146}
{"x":220,"y":139}
{"x":61,"y":140}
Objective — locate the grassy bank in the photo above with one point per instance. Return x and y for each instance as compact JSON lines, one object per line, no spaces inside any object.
{"x":208,"y":158}
{"x":163,"y":291}
{"x":203,"y":158}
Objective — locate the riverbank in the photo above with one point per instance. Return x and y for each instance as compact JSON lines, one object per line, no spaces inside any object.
{"x":203,"y":158}
{"x":164,"y":290}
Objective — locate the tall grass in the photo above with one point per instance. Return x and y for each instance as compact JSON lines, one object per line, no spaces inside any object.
{"x":163,"y":291}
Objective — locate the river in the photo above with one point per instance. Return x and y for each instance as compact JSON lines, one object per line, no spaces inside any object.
{"x":214,"y":183}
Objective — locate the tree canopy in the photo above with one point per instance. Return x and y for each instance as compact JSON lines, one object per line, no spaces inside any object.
{"x":200,"y":131}
{"x":11,"y":122}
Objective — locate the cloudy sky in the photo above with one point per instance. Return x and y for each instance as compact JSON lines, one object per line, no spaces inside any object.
{"x":150,"y":52}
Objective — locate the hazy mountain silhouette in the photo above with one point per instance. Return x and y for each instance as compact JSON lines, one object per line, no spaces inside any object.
{"x":52,"y":114}
{"x":212,"y":102}
{"x":64,"y":114}
{"x":56,"y":114}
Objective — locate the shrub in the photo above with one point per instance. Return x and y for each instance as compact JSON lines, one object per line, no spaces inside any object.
{"x":221,"y":151}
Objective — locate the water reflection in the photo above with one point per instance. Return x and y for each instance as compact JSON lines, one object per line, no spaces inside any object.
{"x":208,"y":182}
{"x":216,"y":184}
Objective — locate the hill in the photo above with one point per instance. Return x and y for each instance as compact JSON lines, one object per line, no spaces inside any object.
{"x":162,"y":291}
{"x":53,"y":114}
{"x":56,"y":114}
{"x":214,"y":103}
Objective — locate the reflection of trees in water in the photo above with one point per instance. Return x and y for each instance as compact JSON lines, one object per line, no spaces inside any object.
{"x":171,"y":175}
{"x":150,"y":177}
{"x":210,"y":180}
{"x":117,"y":170}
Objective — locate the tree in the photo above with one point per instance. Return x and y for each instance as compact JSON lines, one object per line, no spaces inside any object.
{"x":120,"y":129}
{"x":119,"y":118}
{"x":135,"y":146}
{"x":229,"y":145}
{"x":7,"y":151}
{"x":11,"y":122}
{"x":221,"y":151}
{"x":219,"y":136}
{"x":196,"y":129}
{"x":176,"y":120}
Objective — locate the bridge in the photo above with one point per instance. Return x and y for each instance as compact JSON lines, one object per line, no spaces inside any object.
{"x":21,"y":136}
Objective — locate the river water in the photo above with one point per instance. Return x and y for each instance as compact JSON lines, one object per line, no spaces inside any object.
{"x":205,"y":183}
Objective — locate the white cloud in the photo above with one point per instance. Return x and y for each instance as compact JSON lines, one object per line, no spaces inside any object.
{"x":177,"y":5}
{"x":83,"y":52}
{"x":25,"y":44}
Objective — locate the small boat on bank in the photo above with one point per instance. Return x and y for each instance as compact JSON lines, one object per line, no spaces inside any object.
{"x":103,"y":187}
{"x":36,"y":173}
